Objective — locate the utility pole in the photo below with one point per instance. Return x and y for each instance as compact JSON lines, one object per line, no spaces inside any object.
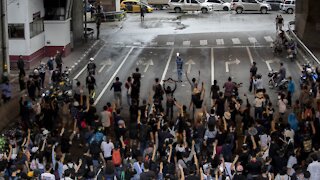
{"x":5,"y":67}
{"x":85,"y":20}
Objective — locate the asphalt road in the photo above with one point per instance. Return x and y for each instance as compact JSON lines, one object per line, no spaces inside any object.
{"x":218,"y":49}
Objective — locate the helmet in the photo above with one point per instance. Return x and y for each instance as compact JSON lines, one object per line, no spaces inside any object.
{"x":91,"y":59}
{"x":36,"y":71}
{"x":178,"y":54}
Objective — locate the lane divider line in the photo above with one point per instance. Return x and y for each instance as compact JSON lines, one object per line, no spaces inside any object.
{"x":212,"y":66}
{"x":167,"y":66}
{"x":112,"y":77}
{"x":250,"y":55}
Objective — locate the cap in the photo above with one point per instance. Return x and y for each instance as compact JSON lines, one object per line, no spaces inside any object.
{"x":91,"y":59}
{"x":178,"y":54}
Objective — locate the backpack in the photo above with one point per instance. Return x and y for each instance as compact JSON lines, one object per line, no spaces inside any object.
{"x":97,"y":137}
{"x":116,"y":157}
{"x":293,"y":122}
{"x":211,"y":121}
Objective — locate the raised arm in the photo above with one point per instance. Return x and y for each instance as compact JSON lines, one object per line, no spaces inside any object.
{"x":170,"y":153}
{"x":254,"y":144}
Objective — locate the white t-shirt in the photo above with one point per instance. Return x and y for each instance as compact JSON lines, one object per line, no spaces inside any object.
{"x":47,"y":176}
{"x":107,"y":149}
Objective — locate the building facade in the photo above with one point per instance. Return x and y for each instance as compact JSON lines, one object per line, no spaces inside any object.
{"x":35,"y":32}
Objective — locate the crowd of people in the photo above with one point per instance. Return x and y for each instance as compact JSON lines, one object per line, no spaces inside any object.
{"x":158,"y":137}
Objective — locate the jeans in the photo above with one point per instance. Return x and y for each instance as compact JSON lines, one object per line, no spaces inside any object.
{"x":180,"y":71}
{"x":118,"y":98}
{"x":129,"y":99}
{"x":258,"y":112}
{"x":169,"y":111}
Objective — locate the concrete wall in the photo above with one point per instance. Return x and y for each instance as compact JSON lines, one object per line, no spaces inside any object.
{"x":77,"y":21}
{"x":52,"y":27}
{"x":21,"y":12}
{"x":308,"y":22}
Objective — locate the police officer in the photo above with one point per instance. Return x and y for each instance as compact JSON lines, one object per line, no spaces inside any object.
{"x":91,"y":67}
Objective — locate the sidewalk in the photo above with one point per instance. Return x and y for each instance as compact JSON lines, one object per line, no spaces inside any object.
{"x":9,"y":112}
{"x":77,"y":59}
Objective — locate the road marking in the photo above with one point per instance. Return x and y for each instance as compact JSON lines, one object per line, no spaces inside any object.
{"x":303,"y":56}
{"x":190,"y":63}
{"x":186,"y":43}
{"x":153,"y":43}
{"x":170,"y":43}
{"x":137,"y":43}
{"x":112,"y":77}
{"x":85,"y":67}
{"x":237,"y":61}
{"x":220,"y":41}
{"x":212,"y":66}
{"x":268,"y":39}
{"x":252,"y":40}
{"x":203,"y":42}
{"x":236,"y":41}
{"x":104,"y":64}
{"x":268,"y":62}
{"x":250,"y":56}
{"x":167,"y":66}
{"x":299,"y":66}
{"x":149,"y":63}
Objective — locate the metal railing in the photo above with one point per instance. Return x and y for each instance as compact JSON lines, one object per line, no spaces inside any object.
{"x":300,"y":44}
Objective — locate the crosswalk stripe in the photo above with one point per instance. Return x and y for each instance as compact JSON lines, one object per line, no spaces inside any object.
{"x":154,"y":43}
{"x":137,"y":43}
{"x":252,"y":40}
{"x":170,"y":43}
{"x":236,"y":41}
{"x":203,"y":42}
{"x":220,"y":41}
{"x":186,"y":43}
{"x":268,"y":39}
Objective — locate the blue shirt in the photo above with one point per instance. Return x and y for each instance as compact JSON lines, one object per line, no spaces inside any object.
{"x":6,"y":89}
{"x":291,"y":87}
{"x":179,"y":62}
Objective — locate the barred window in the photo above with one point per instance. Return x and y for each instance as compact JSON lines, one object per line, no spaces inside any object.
{"x":16,"y":31}
{"x":36,"y":27}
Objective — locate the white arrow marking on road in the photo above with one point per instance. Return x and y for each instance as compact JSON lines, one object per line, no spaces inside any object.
{"x":104,"y":64}
{"x":237,"y":61}
{"x":149,"y":63}
{"x":112,"y":77}
{"x":189,"y":63}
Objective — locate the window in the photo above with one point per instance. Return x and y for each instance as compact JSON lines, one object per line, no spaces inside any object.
{"x":252,"y":1}
{"x":36,"y":27}
{"x":16,"y":30}
{"x":287,"y":2}
{"x":194,"y":1}
{"x":214,"y":1}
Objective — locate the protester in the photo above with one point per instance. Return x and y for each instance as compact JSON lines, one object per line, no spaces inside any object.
{"x":70,"y":138}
